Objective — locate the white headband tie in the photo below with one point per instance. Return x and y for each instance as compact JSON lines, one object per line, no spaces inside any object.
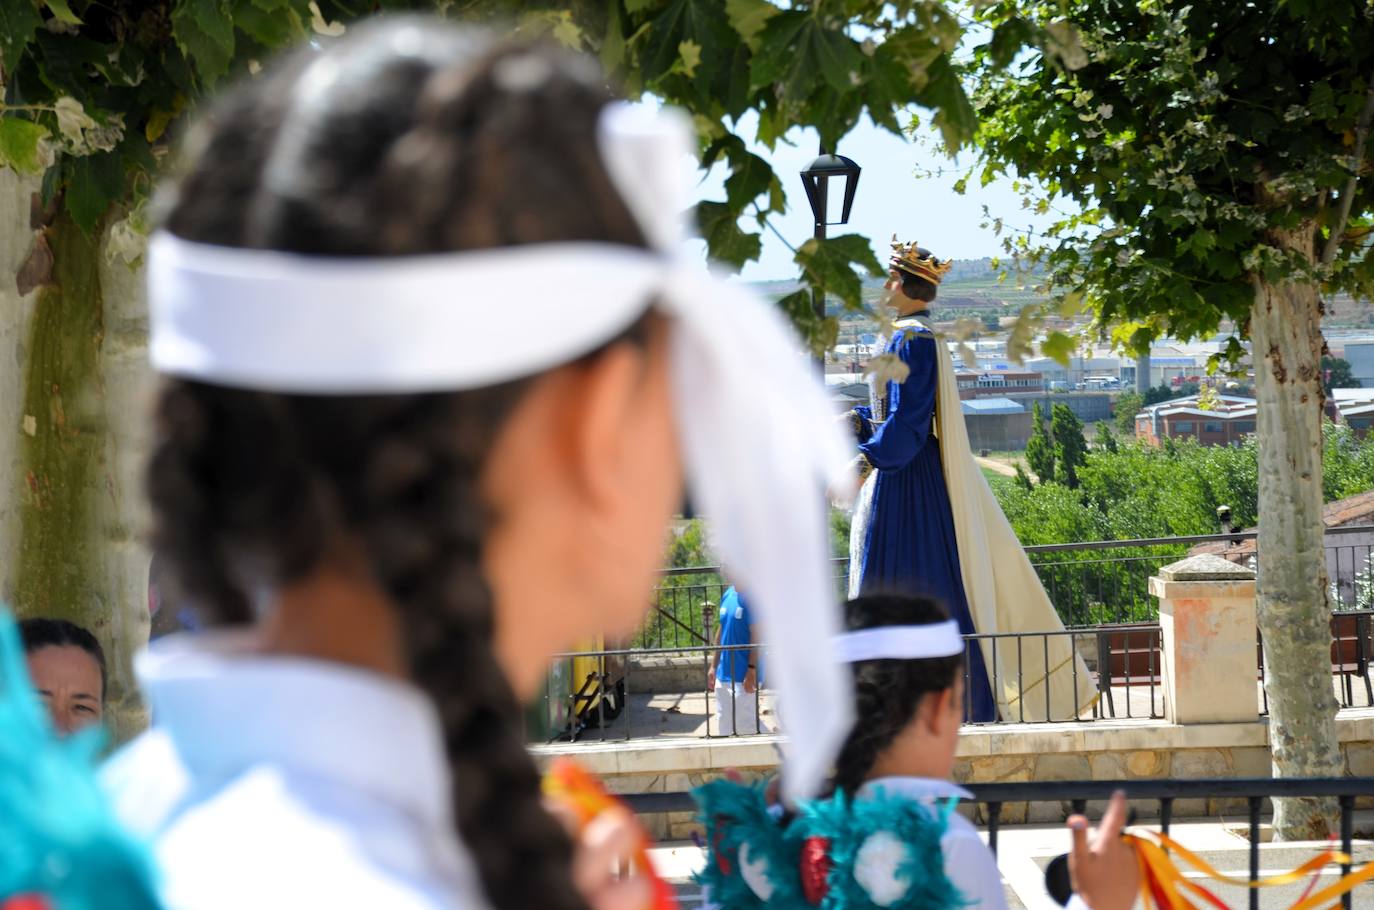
{"x":756,"y":428}
{"x":941,"y":639}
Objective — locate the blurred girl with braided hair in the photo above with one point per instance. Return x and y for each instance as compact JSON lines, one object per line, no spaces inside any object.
{"x":434,"y":376}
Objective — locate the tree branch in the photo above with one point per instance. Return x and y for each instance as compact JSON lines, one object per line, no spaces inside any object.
{"x":768,"y":222}
{"x":1337,"y":236}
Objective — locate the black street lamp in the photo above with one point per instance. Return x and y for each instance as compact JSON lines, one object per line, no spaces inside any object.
{"x":816,"y":177}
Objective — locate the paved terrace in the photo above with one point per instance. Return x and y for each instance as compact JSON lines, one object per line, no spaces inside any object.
{"x":689,"y":714}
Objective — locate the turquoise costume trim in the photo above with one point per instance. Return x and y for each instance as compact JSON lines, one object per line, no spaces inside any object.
{"x":59,"y":840}
{"x":735,"y":815}
{"x":876,"y":853}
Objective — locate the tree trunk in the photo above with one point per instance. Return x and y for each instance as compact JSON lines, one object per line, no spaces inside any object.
{"x":74,"y":416}
{"x":1294,"y":616}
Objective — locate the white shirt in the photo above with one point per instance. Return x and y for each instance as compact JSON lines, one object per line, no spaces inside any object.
{"x":281,"y":782}
{"x":969,"y":863}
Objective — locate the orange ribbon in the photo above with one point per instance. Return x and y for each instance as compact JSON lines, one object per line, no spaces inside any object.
{"x":1162,"y":884}
{"x":567,"y":782}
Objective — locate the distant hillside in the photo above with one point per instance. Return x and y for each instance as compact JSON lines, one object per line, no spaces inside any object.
{"x":968,"y":278}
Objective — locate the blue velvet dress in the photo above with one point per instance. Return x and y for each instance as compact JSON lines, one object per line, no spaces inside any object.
{"x":910,"y":546}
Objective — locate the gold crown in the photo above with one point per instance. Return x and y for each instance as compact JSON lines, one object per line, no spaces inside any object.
{"x":914,"y":260}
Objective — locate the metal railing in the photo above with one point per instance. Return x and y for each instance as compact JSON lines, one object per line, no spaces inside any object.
{"x":1103,"y":582}
{"x":637,"y":693}
{"x":594,"y":694}
{"x":1352,"y":647}
{"x":597,"y":699}
{"x":1255,"y":791}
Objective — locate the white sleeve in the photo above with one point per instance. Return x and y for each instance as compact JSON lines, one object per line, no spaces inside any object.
{"x":972,"y":869}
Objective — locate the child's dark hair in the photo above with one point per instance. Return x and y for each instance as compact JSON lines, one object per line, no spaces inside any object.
{"x":59,"y":633}
{"x":888,"y":692}
{"x":406,"y":137}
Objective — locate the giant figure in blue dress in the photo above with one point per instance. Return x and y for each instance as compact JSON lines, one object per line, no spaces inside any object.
{"x":927,"y":522}
{"x":909,"y":544}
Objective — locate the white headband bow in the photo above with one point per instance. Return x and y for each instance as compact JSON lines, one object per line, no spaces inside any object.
{"x":756,"y":428}
{"x":941,"y":639}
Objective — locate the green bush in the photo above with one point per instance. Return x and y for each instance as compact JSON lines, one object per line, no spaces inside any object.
{"x":1141,"y":491}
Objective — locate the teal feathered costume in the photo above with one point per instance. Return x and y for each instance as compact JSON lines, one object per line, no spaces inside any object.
{"x":833,"y":854}
{"x":60,"y":846}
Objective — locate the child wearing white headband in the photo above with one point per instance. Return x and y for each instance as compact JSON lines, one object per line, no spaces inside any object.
{"x":888,"y":837}
{"x":435,"y":375}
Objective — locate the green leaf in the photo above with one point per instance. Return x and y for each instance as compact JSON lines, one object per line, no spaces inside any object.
{"x":639,"y":6}
{"x":689,"y":58}
{"x":1059,"y":347}
{"x":19,"y":20}
{"x":568,"y":33}
{"x":748,"y":17}
{"x":1322,"y":101}
{"x":858,"y":249}
{"x":724,"y":240}
{"x":830,"y":265}
{"x":94,"y":183}
{"x":1008,"y":39}
{"x":1199,"y":243}
{"x":1070,"y":305}
{"x":204,"y":30}
{"x":697,"y":21}
{"x":272,"y":29}
{"x":799,"y":52}
{"x":613,"y":42}
{"x":954,"y":114}
{"x":751,"y":175}
{"x":21,"y":145}
{"x":62,"y":11}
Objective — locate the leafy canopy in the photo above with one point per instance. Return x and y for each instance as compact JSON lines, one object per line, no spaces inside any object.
{"x":1189,"y":134}
{"x":93,"y":90}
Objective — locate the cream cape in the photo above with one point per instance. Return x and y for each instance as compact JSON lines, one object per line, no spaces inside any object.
{"x":1005,"y":595}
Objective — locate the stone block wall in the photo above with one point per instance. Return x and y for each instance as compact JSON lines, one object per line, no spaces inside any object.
{"x":1003,"y":754}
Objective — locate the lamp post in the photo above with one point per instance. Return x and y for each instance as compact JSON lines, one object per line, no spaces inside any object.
{"x":816,"y":177}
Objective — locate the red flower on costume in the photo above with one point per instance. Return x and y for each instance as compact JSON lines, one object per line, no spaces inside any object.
{"x":815,"y":869}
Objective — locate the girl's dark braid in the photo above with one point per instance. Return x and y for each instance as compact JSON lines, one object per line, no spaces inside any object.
{"x":887,"y":692}
{"x":455,"y":144}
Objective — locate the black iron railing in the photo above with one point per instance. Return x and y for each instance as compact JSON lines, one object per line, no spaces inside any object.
{"x":1094,"y":583}
{"x":1254,"y":791}
{"x":634,"y":693}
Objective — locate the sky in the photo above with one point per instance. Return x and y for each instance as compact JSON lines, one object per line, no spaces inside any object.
{"x":890,"y":198}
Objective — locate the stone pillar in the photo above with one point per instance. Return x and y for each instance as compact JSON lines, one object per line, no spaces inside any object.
{"x":1207,"y":614}
{"x":1142,"y":373}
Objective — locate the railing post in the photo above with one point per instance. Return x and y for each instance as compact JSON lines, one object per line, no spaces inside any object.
{"x":1207,"y":621}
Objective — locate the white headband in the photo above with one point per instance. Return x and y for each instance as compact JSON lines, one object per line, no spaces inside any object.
{"x":941,"y":639}
{"x":755,"y":426}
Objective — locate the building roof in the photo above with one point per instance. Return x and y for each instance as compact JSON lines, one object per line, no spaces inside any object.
{"x":1357,"y":509}
{"x":1229,"y":407}
{"x":992,"y":406}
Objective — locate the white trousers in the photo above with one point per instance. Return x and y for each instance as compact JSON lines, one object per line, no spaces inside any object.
{"x":736,"y":711}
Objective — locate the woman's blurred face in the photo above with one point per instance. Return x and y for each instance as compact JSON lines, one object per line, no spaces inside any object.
{"x":68,"y":680}
{"x":583,"y":481}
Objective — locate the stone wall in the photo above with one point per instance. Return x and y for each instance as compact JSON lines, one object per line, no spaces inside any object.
{"x":1011,"y":753}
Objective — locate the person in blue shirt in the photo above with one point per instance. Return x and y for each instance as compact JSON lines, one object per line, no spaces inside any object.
{"x":735,"y":676}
